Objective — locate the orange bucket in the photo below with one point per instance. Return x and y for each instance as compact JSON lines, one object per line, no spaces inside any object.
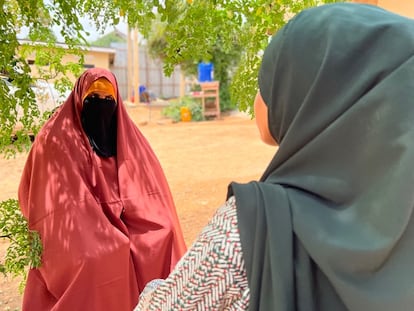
{"x":185,"y":114}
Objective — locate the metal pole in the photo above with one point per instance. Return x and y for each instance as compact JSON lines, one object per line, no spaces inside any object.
{"x":182,"y":84}
{"x":129,"y":61}
{"x":135,"y":65}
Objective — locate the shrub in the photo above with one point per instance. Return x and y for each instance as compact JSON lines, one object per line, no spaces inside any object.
{"x":173,"y":110}
{"x":25,"y":246}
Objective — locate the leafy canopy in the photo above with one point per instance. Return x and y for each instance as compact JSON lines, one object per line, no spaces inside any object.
{"x":194,"y":28}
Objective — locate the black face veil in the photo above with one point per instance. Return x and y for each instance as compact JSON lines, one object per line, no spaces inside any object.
{"x":99,"y":123}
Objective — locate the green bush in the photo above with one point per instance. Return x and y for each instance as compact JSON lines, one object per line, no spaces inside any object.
{"x":25,"y":246}
{"x":173,"y":110}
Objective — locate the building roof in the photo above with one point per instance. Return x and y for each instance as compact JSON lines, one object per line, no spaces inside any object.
{"x":90,"y":48}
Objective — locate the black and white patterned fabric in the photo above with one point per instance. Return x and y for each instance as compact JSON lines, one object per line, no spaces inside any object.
{"x":210,"y":276}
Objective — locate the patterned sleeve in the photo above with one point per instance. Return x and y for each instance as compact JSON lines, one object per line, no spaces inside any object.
{"x":210,"y":276}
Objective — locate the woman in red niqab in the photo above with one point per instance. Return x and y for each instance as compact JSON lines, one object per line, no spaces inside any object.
{"x":94,"y":190}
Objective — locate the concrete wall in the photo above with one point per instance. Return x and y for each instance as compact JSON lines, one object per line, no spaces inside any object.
{"x":402,"y":7}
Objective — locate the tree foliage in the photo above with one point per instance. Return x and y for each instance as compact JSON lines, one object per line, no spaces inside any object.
{"x":112,"y":37}
{"x":194,"y":31}
{"x":194,"y":28}
{"x":33,"y":21}
{"x":25,"y":247}
{"x":224,"y":60}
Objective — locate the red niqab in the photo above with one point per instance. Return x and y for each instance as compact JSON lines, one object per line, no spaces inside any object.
{"x":108,"y":226}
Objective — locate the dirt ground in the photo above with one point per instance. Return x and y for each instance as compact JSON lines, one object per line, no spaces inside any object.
{"x":199,"y":159}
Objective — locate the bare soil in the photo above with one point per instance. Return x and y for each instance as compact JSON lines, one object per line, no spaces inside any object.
{"x":200,"y":159}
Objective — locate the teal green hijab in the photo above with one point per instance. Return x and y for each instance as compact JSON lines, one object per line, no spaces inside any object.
{"x":329,"y":226}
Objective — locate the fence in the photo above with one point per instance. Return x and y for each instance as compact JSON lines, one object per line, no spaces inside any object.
{"x":151,"y":73}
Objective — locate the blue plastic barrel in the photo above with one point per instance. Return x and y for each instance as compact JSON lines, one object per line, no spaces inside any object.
{"x":205,"y":72}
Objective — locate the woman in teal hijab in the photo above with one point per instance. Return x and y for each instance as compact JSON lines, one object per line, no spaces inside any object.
{"x":329,"y":226}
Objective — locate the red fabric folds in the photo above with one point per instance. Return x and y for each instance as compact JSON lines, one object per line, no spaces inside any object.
{"x":108,"y":226}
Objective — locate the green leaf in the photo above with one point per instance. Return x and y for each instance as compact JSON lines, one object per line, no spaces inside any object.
{"x":25,"y":247}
